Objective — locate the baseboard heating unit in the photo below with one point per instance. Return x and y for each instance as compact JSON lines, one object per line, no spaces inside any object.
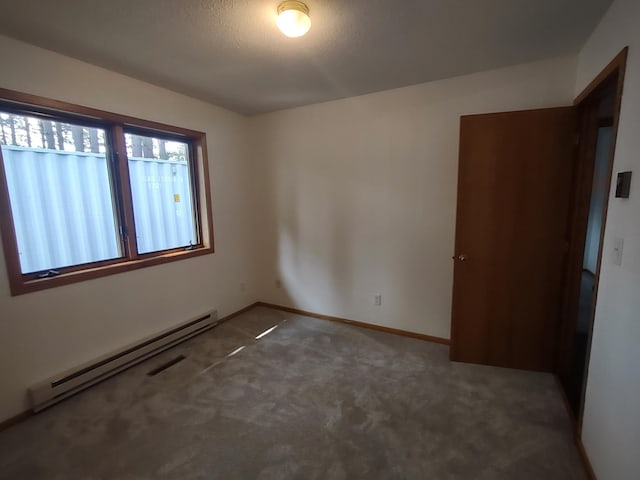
{"x":65,"y":384}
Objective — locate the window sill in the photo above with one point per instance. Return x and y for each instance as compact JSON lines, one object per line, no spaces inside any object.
{"x":21,"y":287}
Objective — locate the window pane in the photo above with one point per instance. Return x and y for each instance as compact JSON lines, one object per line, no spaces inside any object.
{"x":161,"y":190}
{"x":60,"y":192}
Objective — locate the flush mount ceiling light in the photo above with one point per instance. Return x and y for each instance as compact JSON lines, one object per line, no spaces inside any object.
{"x":293,"y":18}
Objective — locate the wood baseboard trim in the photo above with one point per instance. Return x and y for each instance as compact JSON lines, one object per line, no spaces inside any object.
{"x":11,"y":421}
{"x":370,"y":326}
{"x":591,"y":475}
{"x":235,"y":314}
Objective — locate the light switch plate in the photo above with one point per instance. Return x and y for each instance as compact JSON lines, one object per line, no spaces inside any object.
{"x":618,"y":246}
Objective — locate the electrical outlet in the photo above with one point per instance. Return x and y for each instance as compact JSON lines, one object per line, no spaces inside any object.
{"x":377,"y":299}
{"x":243,"y":287}
{"x":278,"y":283}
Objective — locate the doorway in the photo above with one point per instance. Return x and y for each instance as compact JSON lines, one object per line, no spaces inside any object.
{"x":533,"y":189}
{"x":572,"y":380}
{"x":598,"y":110}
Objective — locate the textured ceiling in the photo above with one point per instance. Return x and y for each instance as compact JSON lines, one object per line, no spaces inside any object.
{"x":230,"y":52}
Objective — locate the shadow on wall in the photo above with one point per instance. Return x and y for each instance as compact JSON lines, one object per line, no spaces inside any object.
{"x":348,"y":218}
{"x":313,"y":253}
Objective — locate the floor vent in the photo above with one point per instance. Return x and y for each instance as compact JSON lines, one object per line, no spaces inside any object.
{"x":58,"y":387}
{"x":166,"y":365}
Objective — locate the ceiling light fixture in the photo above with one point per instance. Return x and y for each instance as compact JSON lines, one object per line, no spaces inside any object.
{"x":293,"y":18}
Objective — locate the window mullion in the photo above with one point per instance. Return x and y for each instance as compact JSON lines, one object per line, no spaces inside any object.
{"x":124,"y":192}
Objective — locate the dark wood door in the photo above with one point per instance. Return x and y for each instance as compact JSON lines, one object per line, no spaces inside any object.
{"x":514,"y":188}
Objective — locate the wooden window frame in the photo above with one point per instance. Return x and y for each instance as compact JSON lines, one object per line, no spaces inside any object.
{"x":115,"y":126}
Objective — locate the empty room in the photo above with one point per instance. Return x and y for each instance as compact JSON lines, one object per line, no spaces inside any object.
{"x":364,"y":239}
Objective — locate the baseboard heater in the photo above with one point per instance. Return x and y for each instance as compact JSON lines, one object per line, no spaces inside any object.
{"x":56,"y":388}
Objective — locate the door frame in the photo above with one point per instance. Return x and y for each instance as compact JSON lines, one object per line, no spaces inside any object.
{"x":578,"y":220}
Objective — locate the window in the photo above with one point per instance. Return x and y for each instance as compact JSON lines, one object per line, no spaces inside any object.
{"x":86,"y":193}
{"x":163,"y":208}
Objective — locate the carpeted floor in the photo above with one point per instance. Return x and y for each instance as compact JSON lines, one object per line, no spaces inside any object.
{"x":312,"y":399}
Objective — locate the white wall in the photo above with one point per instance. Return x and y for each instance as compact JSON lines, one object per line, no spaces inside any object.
{"x":46,"y":332}
{"x":611,"y":429}
{"x":360,"y":194}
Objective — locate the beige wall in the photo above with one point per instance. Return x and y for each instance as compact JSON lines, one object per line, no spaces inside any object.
{"x":360,"y":194}
{"x":46,"y":332}
{"x":611,"y":430}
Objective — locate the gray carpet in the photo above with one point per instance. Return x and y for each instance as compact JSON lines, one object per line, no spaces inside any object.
{"x":310,"y":400}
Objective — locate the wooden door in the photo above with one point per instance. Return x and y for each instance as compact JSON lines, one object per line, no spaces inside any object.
{"x":514,"y":188}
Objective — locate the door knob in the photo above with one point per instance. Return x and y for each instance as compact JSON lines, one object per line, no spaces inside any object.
{"x":462,"y":257}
